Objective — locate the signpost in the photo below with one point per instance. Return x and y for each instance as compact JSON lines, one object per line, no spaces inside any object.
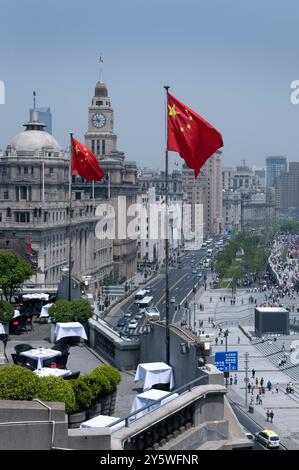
{"x":227,"y":361}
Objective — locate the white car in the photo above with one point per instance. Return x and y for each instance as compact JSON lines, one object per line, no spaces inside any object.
{"x":268,"y":438}
{"x":132,"y":324}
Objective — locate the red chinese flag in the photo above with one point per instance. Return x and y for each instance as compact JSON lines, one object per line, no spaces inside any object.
{"x":85,"y":163}
{"x":190,"y":135}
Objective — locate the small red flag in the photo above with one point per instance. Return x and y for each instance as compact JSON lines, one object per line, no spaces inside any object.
{"x":85,"y":163}
{"x":190,"y":135}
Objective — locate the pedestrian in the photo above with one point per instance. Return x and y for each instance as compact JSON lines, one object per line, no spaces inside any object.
{"x":256,"y":381}
{"x":230,"y":380}
{"x":249,"y":387}
{"x":257,"y":399}
{"x":271,"y":415}
{"x":210,"y":299}
{"x":261,"y":382}
{"x":277,"y":387}
{"x":221,"y":342}
{"x":260,"y":400}
{"x":283,"y":347}
{"x":220,"y":298}
{"x":269,"y":385}
{"x":252,"y":389}
{"x":239,"y":339}
{"x":253,"y":373}
{"x":216,"y":340}
{"x":224,"y":298}
{"x":235,"y":379}
{"x":268,"y":414}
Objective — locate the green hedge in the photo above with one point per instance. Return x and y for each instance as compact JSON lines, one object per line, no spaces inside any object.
{"x":83,"y":393}
{"x":17,"y":383}
{"x":57,"y":389}
{"x":6,"y":312}
{"x":111,"y":373}
{"x":75,"y":310}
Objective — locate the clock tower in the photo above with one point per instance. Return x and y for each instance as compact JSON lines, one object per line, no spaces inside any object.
{"x":100,"y":137}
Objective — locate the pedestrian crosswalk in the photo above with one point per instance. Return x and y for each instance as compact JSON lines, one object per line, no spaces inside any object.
{"x":274,"y":352}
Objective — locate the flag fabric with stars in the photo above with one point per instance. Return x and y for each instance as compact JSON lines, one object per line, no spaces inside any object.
{"x":85,"y":163}
{"x":190,"y":135}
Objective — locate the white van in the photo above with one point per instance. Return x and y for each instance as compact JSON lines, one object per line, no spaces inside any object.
{"x":152,"y":313}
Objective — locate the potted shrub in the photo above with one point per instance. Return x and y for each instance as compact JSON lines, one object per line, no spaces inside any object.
{"x":6,"y":314}
{"x":83,"y":399}
{"x":17,"y":383}
{"x":57,"y":389}
{"x":114,"y":377}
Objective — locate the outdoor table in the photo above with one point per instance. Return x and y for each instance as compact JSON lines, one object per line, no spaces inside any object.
{"x":51,"y":371}
{"x":45,"y":311}
{"x":103,"y":421}
{"x":41,"y":354}
{"x":154,"y":373}
{"x":2,"y":330}
{"x":69,"y":329}
{"x":150,"y":398}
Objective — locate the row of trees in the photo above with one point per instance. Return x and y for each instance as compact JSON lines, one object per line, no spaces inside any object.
{"x":246,"y":253}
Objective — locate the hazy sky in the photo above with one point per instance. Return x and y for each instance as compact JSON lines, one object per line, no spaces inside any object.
{"x":232,"y":61}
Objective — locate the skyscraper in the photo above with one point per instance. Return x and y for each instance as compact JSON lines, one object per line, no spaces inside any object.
{"x":45,"y":116}
{"x":275,"y":166}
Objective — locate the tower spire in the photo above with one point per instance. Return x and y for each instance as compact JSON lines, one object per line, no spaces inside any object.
{"x":101,"y":68}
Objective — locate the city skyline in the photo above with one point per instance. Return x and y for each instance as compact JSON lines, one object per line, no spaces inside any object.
{"x":217,"y":59}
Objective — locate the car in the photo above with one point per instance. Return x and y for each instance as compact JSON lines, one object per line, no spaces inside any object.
{"x":199,"y":274}
{"x":139,"y":315}
{"x":268,"y":438}
{"x":132,"y":324}
{"x":128,"y":314}
{"x":172,"y":300}
{"x":148,"y":290}
{"x":121,"y":322}
{"x":248,"y":434}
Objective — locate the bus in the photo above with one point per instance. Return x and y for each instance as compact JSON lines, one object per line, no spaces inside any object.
{"x":146,"y":302}
{"x":139,"y":296}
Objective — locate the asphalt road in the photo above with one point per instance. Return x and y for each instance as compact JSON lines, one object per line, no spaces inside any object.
{"x":181,"y":283}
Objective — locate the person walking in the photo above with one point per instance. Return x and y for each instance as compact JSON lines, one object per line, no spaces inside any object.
{"x":257,"y":399}
{"x":262,"y":382}
{"x":253,"y":373}
{"x":256,"y":382}
{"x":271,"y":415}
{"x":268,"y":414}
{"x":230,"y":380}
{"x":235,"y":379}
{"x":249,"y":387}
{"x":216,"y":340}
{"x":277,"y":387}
{"x":283,"y":347}
{"x":269,"y":385}
{"x":260,"y":400}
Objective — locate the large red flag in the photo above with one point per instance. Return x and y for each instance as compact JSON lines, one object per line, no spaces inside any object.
{"x":190,"y":135}
{"x":85,"y":163}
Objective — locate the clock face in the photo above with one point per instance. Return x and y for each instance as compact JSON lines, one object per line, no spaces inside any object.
{"x":98,"y":120}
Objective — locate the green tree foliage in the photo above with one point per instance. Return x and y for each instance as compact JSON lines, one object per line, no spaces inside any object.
{"x":289,"y":226}
{"x":13,"y":272}
{"x":6,"y":312}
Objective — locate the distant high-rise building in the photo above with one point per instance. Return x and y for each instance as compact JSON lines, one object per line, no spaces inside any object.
{"x":44,"y":116}
{"x":275,"y":166}
{"x":293,"y":186}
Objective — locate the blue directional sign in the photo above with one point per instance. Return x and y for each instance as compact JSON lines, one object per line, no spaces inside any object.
{"x":226,"y":361}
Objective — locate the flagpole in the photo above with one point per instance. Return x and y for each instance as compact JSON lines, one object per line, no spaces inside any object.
{"x":70,"y":223}
{"x":167,"y":331}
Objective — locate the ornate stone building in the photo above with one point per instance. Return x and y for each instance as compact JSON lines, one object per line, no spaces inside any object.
{"x":34,"y":206}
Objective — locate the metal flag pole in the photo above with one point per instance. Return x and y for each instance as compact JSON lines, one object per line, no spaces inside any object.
{"x":70,"y":223}
{"x":167,"y":332}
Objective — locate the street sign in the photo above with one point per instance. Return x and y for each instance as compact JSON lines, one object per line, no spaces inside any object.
{"x":246,"y":379}
{"x":226,"y":361}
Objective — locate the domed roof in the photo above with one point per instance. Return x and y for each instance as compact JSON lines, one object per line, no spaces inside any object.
{"x":32,"y":140}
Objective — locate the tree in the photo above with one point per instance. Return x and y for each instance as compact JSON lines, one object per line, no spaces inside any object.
{"x":13,"y":272}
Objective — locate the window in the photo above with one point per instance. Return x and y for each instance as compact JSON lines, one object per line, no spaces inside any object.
{"x":99,"y":103}
{"x":8,"y":212}
{"x":25,"y":170}
{"x":103,"y":147}
{"x":5,"y":195}
{"x":22,"y":216}
{"x":92,"y":145}
{"x":98,"y":147}
{"x":51,"y":171}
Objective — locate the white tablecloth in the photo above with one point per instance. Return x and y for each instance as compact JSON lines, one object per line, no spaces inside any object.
{"x":45,"y":311}
{"x":47,"y":371}
{"x":154,"y":373}
{"x":41,"y":354}
{"x":69,"y":329}
{"x":149,"y":398}
{"x":2,"y":331}
{"x":16,"y":313}
{"x":102,"y":421}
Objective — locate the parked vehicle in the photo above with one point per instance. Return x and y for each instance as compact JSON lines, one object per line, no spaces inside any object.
{"x":268,"y":438}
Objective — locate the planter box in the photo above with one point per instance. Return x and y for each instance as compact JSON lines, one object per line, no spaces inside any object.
{"x":76,"y":419}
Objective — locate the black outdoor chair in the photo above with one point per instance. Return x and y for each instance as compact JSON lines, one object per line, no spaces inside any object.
{"x":23,"y":361}
{"x":72,"y":376}
{"x":62,"y":347}
{"x":18,"y":324}
{"x":69,"y":340}
{"x":3,"y":339}
{"x":22,"y":347}
{"x":57,"y":361}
